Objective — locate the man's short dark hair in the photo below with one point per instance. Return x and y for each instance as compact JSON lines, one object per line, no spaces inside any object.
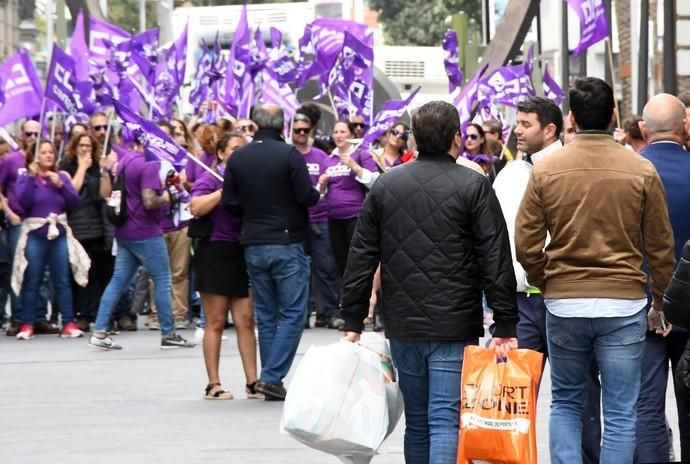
{"x":434,"y":125}
{"x":268,"y":116}
{"x":494,"y":126}
{"x":592,"y":103}
{"x":546,"y":110}
{"x":684,"y":97}
{"x":632,"y":127}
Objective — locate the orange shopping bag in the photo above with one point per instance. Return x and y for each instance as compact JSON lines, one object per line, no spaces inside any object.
{"x":498,"y":407}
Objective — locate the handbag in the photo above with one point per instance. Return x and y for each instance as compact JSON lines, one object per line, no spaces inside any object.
{"x":200,"y":227}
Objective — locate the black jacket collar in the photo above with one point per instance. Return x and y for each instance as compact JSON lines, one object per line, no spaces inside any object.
{"x":435,"y":156}
{"x":268,"y":134}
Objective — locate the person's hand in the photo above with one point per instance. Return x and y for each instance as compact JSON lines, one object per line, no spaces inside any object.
{"x":352,"y":337}
{"x":32,"y":169}
{"x":619,"y":135}
{"x":346,"y":159}
{"x":503,"y":345}
{"x":323,"y":182}
{"x":657,"y":322}
{"x":109,"y":161}
{"x":84,"y":161}
{"x":54,"y":177}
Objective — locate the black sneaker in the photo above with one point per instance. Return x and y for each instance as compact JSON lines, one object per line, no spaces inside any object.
{"x":175,"y":341}
{"x":271,"y":391}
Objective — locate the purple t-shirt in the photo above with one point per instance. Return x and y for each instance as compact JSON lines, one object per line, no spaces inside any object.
{"x":226,"y":227}
{"x":314,"y":159}
{"x":194,"y":171}
{"x":141,"y":223}
{"x":36,"y":197}
{"x":10,"y":167}
{"x":345,"y":194}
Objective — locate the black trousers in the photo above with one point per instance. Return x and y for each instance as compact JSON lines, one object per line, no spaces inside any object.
{"x":87,"y":299}
{"x":340,"y":232}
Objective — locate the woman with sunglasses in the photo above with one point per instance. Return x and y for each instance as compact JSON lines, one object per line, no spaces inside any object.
{"x":394,"y":147}
{"x":221,"y":277}
{"x":43,"y":197}
{"x":92,"y":181}
{"x":348,"y":174}
{"x":476,"y":149}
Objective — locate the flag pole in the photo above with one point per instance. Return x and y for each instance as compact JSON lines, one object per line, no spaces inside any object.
{"x":609,"y":52}
{"x":107,"y":132}
{"x":40,"y":123}
{"x":52,"y":128}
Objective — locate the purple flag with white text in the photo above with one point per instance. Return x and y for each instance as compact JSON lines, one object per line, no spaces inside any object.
{"x":21,"y":87}
{"x":390,"y":113}
{"x":239,"y":89}
{"x":593,"y":24}
{"x":157,"y":144}
{"x":451,"y":60}
{"x":466,"y":99}
{"x":62,"y":86}
{"x":93,"y":55}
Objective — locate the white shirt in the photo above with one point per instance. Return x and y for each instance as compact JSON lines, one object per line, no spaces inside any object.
{"x":594,"y":307}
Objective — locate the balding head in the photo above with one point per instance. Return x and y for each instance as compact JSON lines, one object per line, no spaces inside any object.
{"x":664,"y":118}
{"x":268,"y":117}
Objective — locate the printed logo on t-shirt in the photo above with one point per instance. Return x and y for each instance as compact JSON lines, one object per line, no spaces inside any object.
{"x":314,"y":169}
{"x":21,"y":171}
{"x":339,"y":170}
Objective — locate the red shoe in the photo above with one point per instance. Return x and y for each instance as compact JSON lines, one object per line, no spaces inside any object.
{"x":26,"y":332}
{"x":70,"y":330}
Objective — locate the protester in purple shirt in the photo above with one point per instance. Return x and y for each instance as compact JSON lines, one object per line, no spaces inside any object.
{"x":207,"y":136}
{"x":348,"y":174}
{"x":42,"y":197}
{"x":221,"y":276}
{"x":319,"y":243}
{"x":139,"y":242}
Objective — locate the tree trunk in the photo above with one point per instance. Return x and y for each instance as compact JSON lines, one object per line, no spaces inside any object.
{"x":624,"y":75}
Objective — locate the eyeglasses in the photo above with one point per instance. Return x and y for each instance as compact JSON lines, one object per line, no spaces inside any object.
{"x":101,"y":127}
{"x":85,"y":145}
{"x":30,"y":134}
{"x":247,"y":128}
{"x":301,"y":130}
{"x":471,"y":136}
{"x":359,"y":124}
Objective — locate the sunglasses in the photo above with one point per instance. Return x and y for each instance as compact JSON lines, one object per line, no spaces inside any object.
{"x":472,"y":137}
{"x":399,"y":134}
{"x":359,"y":124}
{"x":30,"y":134}
{"x":248,"y":128}
{"x":302,"y":131}
{"x":100,"y":128}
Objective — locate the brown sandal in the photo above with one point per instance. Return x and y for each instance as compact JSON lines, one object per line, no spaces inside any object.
{"x":252,"y":394}
{"x":219,"y":394}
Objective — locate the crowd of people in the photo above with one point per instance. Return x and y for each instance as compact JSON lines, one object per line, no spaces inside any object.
{"x":418,"y":235}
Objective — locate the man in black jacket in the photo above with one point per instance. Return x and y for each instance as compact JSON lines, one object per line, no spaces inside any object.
{"x":268,"y":183}
{"x":437,"y":229}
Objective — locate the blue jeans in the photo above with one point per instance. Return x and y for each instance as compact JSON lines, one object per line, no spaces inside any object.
{"x":40,"y":252}
{"x":323,"y":265}
{"x":616,"y":343}
{"x":279,"y":276}
{"x":151,"y":253}
{"x":430,"y":375}
{"x":531,"y":330}
{"x":652,"y":438}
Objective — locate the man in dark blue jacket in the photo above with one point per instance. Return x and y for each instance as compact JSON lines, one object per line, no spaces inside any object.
{"x":268,"y":183}
{"x":664,"y":126}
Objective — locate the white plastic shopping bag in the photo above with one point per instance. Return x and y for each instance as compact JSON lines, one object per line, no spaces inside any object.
{"x":344,"y":399}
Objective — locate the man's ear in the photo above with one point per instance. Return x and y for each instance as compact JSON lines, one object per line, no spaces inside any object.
{"x":571,"y":120}
{"x":643,"y":130}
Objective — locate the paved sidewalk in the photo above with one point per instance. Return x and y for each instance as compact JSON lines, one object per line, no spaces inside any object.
{"x":63,"y":402}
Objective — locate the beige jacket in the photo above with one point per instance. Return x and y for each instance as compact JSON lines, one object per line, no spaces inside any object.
{"x":605,"y":209}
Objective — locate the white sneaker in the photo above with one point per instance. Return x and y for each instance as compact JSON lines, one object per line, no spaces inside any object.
{"x":199,"y":335}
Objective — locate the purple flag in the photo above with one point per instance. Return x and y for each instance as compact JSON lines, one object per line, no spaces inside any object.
{"x":279,"y":94}
{"x":239,"y":91}
{"x":144,"y":50}
{"x":157,"y":144}
{"x":451,"y":60}
{"x":170,"y":73}
{"x":21,"y":87}
{"x":552,"y":90}
{"x":390,"y":113}
{"x":94,"y":54}
{"x":507,"y":85}
{"x":324,"y":38}
{"x":466,"y":99}
{"x":62,"y":86}
{"x":352,"y":80}
{"x":276,"y":37}
{"x":593,"y":24}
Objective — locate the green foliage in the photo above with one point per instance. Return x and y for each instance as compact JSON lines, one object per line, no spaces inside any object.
{"x":125,"y":13}
{"x":420,"y":22}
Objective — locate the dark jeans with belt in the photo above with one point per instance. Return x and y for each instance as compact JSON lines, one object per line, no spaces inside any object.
{"x":652,"y":443}
{"x":531,"y":331}
{"x":340,"y":232}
